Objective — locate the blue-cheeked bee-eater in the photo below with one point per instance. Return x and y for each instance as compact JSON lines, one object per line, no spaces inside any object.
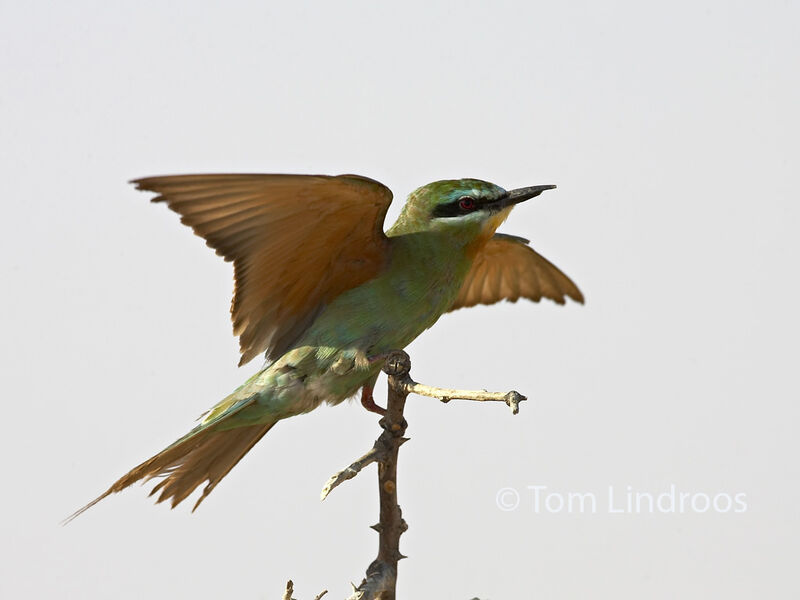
{"x":326,"y":294}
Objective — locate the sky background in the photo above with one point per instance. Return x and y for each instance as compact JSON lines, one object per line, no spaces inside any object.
{"x":672,"y":133}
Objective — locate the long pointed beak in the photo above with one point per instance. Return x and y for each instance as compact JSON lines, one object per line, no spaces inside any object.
{"x":526,"y":193}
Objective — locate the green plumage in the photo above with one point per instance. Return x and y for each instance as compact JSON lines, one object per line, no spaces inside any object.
{"x":434,"y":259}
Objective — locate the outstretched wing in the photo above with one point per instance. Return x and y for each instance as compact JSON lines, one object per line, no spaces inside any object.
{"x":296,"y":242}
{"x":508,"y":269}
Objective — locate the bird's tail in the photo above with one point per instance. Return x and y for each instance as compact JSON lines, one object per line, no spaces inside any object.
{"x":206,"y":454}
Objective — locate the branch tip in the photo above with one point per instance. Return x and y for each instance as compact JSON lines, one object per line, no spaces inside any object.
{"x":512,"y":399}
{"x":287,"y":594}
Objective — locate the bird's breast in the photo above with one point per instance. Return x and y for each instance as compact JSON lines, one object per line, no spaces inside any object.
{"x":385,"y":313}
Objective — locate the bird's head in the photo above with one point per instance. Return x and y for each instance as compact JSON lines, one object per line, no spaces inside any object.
{"x":469,"y":209}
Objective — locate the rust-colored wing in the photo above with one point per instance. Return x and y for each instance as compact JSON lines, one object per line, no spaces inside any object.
{"x":508,"y":269}
{"x":296,"y":242}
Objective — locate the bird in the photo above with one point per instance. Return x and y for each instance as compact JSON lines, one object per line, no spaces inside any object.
{"x":325,"y":294}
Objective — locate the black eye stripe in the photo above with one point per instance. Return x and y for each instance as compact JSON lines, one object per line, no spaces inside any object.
{"x":453,"y":209}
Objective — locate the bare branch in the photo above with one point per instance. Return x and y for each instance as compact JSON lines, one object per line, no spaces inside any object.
{"x":381,"y":580}
{"x":287,"y":595}
{"x":512,"y":398}
{"x":375,"y":454}
{"x":381,"y":577}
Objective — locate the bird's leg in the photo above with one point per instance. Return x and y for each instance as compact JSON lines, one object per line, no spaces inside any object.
{"x":366,"y":392}
{"x":368,"y":402}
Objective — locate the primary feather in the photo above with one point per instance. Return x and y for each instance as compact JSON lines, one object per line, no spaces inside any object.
{"x":296,"y":242}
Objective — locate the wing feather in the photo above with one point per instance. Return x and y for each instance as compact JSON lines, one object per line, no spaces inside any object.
{"x":296,"y":242}
{"x":507,"y":268}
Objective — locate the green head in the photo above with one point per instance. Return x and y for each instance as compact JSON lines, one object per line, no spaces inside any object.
{"x":467,"y":208}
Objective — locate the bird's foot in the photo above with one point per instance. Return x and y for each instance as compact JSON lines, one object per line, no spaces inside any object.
{"x":394,"y":362}
{"x":368,"y":402}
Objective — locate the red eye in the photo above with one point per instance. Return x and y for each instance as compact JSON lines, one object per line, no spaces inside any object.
{"x":466,"y":203}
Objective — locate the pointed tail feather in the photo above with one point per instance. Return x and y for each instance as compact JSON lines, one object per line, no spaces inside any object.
{"x":201,"y":456}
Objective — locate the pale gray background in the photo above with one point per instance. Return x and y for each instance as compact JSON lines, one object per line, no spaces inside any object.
{"x":671,"y":130}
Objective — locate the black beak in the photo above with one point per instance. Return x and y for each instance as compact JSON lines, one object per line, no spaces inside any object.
{"x":522,"y":194}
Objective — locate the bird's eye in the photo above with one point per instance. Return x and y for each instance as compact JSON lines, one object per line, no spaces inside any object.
{"x":466,"y":203}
